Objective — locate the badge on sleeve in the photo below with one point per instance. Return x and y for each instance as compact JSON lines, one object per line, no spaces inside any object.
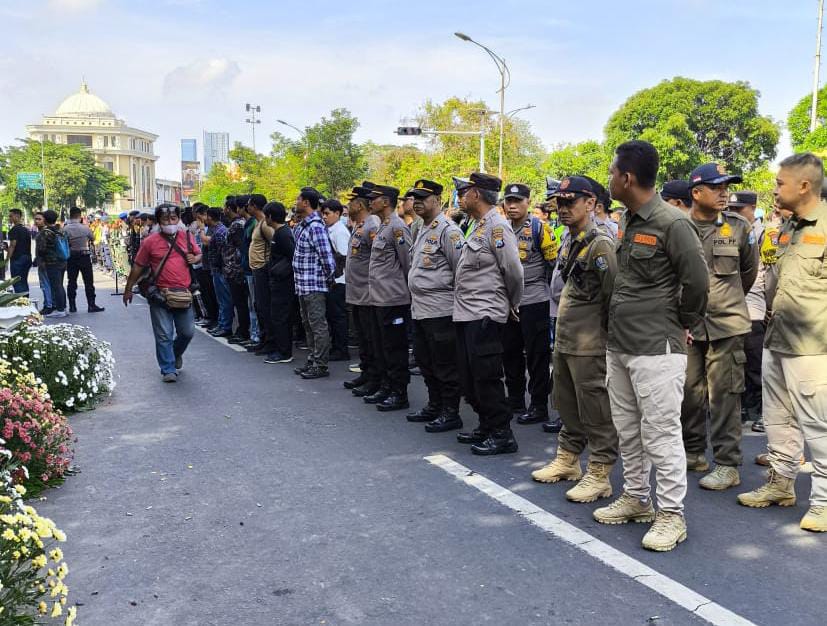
{"x":497,"y":237}
{"x":601,"y":263}
{"x":456,"y":240}
{"x":399,"y":235}
{"x":751,"y":238}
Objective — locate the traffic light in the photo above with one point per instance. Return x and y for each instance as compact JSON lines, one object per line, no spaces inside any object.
{"x":409,"y":130}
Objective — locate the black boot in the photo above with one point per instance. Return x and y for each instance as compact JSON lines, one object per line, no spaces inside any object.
{"x":72,"y":307}
{"x":425,"y":414}
{"x":448,"y":419}
{"x":534,"y":415}
{"x":553,"y":426}
{"x":394,"y":402}
{"x":379,"y":396}
{"x":360,"y":380}
{"x":499,"y":442}
{"x":475,"y":436}
{"x":93,"y":308}
{"x":368,"y":389}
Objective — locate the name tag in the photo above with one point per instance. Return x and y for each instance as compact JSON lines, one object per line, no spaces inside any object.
{"x":816,"y":239}
{"x":646,"y":240}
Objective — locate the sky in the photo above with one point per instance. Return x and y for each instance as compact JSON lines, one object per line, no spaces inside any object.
{"x":179,"y":67}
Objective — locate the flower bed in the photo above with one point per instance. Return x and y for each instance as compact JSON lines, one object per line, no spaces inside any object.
{"x":77,"y":367}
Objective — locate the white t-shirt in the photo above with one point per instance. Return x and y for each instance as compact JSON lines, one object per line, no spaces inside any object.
{"x":340,"y":238}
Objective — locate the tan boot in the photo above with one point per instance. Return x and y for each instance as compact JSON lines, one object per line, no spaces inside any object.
{"x":815,"y":519}
{"x":667,"y":532}
{"x":777,"y":490}
{"x":594,"y":484}
{"x":720,"y":478}
{"x":565,"y":466}
{"x":696,"y":462}
{"x":625,"y":509}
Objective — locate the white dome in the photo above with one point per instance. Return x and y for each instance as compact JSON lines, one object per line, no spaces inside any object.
{"x":84,"y":103}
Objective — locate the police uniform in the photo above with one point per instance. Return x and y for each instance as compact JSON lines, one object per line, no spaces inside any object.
{"x":357,"y":271}
{"x":434,"y":258}
{"x":390,"y":298}
{"x":716,"y":359}
{"x":525,"y":341}
{"x":488,"y":285}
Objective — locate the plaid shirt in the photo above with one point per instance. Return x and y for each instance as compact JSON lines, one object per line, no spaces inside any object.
{"x":313,"y":264}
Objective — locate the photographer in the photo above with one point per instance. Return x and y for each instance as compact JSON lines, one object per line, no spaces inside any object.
{"x":167,"y":255}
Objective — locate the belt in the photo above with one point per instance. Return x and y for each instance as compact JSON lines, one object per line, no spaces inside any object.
{"x":79,"y":253}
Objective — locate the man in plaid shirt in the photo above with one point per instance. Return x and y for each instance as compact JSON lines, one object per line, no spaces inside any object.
{"x":313,"y":270}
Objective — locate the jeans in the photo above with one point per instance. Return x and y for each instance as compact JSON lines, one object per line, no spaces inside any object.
{"x":80,"y":264}
{"x":20,"y":267}
{"x":255,"y":335}
{"x":173,"y":330}
{"x":55,"y":272}
{"x":45,"y":287}
{"x":225,"y":301}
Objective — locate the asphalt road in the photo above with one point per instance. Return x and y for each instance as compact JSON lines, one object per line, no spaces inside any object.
{"x":245,"y":495}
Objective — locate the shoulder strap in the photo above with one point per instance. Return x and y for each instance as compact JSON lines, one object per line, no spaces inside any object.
{"x":537,"y":233}
{"x":154,"y":276}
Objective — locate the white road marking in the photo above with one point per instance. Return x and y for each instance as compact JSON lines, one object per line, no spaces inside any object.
{"x":231,"y":346}
{"x":672,"y":590}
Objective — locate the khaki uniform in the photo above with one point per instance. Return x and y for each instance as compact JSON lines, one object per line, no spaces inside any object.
{"x":795,"y":351}
{"x":357,"y":294}
{"x":488,"y":284}
{"x":660,"y":290}
{"x":716,"y":358}
{"x":580,"y":394}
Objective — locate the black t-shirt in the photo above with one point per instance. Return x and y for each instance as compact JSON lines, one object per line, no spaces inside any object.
{"x":23,"y":237}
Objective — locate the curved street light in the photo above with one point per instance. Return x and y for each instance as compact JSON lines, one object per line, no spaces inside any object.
{"x":303,"y":135}
{"x":505,"y":81}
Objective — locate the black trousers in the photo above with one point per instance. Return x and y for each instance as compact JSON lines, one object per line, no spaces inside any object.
{"x":753,"y":348}
{"x":261,"y":282}
{"x":435,"y":349}
{"x":480,"y":359}
{"x":80,"y":264}
{"x":337,"y":318}
{"x":238,"y":291}
{"x":368,"y":360}
{"x":202,"y":274}
{"x":282,"y":301}
{"x":389,"y":333}
{"x":526,"y":344}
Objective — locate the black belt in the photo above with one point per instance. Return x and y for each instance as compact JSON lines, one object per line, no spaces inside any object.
{"x":79,"y":253}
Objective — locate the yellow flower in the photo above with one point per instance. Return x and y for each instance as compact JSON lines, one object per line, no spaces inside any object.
{"x":56,"y":555}
{"x":5,"y":499}
{"x":42,"y":608}
{"x":9,"y":535}
{"x":56,"y":610}
{"x":20,"y":489}
{"x":39,"y":561}
{"x":71,"y":615}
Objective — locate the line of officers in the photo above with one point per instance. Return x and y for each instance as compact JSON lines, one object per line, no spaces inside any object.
{"x":649,"y":338}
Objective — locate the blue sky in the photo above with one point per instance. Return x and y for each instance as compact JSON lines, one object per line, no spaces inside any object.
{"x":177,"y":67}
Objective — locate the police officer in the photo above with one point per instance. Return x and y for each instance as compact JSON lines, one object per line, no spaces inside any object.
{"x":589,"y":265}
{"x":390,"y":299}
{"x":602,"y":207}
{"x":434,"y":259}
{"x":715,"y":360}
{"x":678,"y":194}
{"x":659,"y":294}
{"x":526,"y":340}
{"x":488,"y":289}
{"x":357,"y":294}
{"x":795,"y":346}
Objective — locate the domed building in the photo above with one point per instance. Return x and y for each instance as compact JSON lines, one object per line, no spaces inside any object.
{"x":84,"y":118}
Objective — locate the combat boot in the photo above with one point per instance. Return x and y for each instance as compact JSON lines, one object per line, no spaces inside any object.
{"x":720,"y":478}
{"x":498,"y":442}
{"x":368,"y":389}
{"x":448,"y":419}
{"x":696,"y":462}
{"x":815,"y":519}
{"x":625,"y":509}
{"x":380,"y":396}
{"x":594,"y":484}
{"x":667,"y":532}
{"x":360,"y":380}
{"x":778,"y":490}
{"x":427,"y":413}
{"x":565,"y":466}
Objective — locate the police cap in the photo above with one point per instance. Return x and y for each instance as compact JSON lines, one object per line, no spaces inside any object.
{"x":738,"y":199}
{"x":383,"y":190}
{"x":677,"y":190}
{"x":424,"y":188}
{"x":479,"y":180}
{"x":711,"y":174}
{"x":517,"y":190}
{"x":573,"y":187}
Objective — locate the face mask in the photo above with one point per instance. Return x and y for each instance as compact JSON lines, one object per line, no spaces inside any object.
{"x":343,"y":220}
{"x":759,"y":213}
{"x":169,"y":229}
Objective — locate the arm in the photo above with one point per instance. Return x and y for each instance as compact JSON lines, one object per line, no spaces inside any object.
{"x":321,"y":242}
{"x":402,"y":243}
{"x":133,"y":277}
{"x":508,"y":260}
{"x":687,"y":260}
{"x":266,"y":231}
{"x":605,"y":262}
{"x":749,"y":261}
{"x":452,"y":246}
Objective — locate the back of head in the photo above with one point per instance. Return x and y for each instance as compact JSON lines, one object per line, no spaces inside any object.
{"x":809,"y":167}
{"x":50,"y":216}
{"x":276,"y":212}
{"x":214,"y":214}
{"x":74,"y":213}
{"x":258,"y":200}
{"x":639,"y":158}
{"x":311,"y":196}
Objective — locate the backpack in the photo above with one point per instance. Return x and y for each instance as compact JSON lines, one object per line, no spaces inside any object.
{"x":545,"y":241}
{"x":62,"y":246}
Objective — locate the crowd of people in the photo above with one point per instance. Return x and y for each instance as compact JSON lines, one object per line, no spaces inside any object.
{"x":655,"y":328}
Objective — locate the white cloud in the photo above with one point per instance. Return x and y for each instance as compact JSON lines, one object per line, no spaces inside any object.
{"x":200,"y":78}
{"x":74,"y":5}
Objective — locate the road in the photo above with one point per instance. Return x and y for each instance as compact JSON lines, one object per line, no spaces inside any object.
{"x":245,"y":495}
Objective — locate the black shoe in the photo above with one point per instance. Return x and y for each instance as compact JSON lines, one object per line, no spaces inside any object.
{"x":365,"y":390}
{"x":415,"y":371}
{"x":277,"y":357}
{"x":377,"y":397}
{"x":46,"y":310}
{"x":247,"y":342}
{"x":427,"y":413}
{"x":534,"y":415}
{"x":356,"y":382}
{"x":203,"y":323}
{"x":94,"y":308}
{"x":758,"y":426}
{"x":221,"y":333}
{"x":448,"y":419}
{"x":500,"y":442}
{"x":73,"y":308}
{"x":553,"y":426}
{"x":236,"y":339}
{"x":300,"y":370}
{"x":256,"y":347}
{"x":474,"y":437}
{"x":339,"y":356}
{"x":394,"y":402}
{"x":315,"y":372}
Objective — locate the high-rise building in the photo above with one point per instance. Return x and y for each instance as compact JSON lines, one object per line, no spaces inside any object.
{"x":189,"y":150}
{"x":216,"y":149}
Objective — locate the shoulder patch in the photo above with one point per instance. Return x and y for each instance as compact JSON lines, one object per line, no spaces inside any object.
{"x":751,"y":238}
{"x":784,"y":239}
{"x":646,"y":240}
{"x":601,"y":263}
{"x":399,"y":235}
{"x":497,"y":237}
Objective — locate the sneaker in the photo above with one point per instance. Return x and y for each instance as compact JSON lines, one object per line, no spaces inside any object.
{"x":46,"y":310}
{"x":815,"y":519}
{"x":594,"y":484}
{"x":179,"y":362}
{"x":778,"y":490}
{"x":354,"y":367}
{"x":277,"y":357}
{"x":625,"y":509}
{"x":565,"y":466}
{"x":172,"y":377}
{"x":720,"y":478}
{"x":666,"y":533}
{"x":56,"y":314}
{"x":758,"y":426}
{"x":696,"y":462}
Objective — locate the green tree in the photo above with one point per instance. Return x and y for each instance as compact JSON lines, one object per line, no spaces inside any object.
{"x":333,"y":161}
{"x":221,"y":182}
{"x":588,"y":158}
{"x":798,"y":123}
{"x":691,"y":122}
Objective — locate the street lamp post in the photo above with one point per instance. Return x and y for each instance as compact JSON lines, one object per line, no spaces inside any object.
{"x":505,"y":81}
{"x":254,"y":110}
{"x":416,"y":130}
{"x":303,"y":136}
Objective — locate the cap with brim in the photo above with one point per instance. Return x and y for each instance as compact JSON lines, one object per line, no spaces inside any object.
{"x":573,"y":187}
{"x":424,"y":188}
{"x":383,"y":190}
{"x":740,"y":199}
{"x":123,"y":216}
{"x":517,"y":190}
{"x":676,"y":190}
{"x":711,"y":174}
{"x":461,"y":183}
